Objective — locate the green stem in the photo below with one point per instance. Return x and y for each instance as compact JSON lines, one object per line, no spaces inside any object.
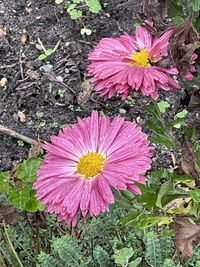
{"x":11,"y":245}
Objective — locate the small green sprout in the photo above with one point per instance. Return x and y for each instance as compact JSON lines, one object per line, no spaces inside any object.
{"x":47,"y":52}
{"x":86,"y":31}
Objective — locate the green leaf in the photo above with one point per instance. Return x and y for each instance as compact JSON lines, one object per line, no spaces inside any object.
{"x":75,"y":14}
{"x":122,"y":256}
{"x":164,"y":189}
{"x":19,"y":198}
{"x":162,"y":141}
{"x":42,"y":57}
{"x":131,"y":217}
{"x":183,"y":179}
{"x":4,"y":182}
{"x":156,"y":126}
{"x":27,"y":171}
{"x":71,"y":7}
{"x":153,"y":110}
{"x":49,"y":52}
{"x":195,"y":195}
{"x":181,"y":116}
{"x":195,"y":4}
{"x":94,"y":6}
{"x":33,"y":204}
{"x":135,"y":263}
{"x":151,"y":220}
{"x":59,"y":1}
{"x":163,"y":105}
{"x":147,"y":198}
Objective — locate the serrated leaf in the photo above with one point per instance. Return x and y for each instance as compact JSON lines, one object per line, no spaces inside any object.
{"x":164,"y":189}
{"x":27,"y":171}
{"x":75,"y":14}
{"x":163,"y":105}
{"x":94,"y":6}
{"x":33,"y":204}
{"x":18,"y":198}
{"x":4,"y":182}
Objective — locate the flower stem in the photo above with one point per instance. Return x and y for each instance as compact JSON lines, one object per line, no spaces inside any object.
{"x":11,"y":245}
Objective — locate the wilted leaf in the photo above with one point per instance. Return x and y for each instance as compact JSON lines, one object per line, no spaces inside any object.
{"x":186,"y":232}
{"x":8,"y":213}
{"x":189,"y":162}
{"x":84,"y":96}
{"x":182,"y":45}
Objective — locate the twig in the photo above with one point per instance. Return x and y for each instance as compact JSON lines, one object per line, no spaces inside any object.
{"x":11,"y":65}
{"x":14,"y":134}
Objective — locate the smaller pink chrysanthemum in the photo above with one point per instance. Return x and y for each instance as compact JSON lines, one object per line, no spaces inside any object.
{"x":85,"y":161}
{"x":119,"y":65}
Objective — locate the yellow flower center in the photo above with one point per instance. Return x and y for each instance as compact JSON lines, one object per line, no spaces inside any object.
{"x":90,"y":164}
{"x":141,"y":59}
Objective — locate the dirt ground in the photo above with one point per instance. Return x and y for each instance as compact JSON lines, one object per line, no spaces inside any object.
{"x":40,"y":97}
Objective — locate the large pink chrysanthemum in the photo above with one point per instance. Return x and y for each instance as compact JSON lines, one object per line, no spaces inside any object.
{"x":85,"y":161}
{"x":119,"y":65}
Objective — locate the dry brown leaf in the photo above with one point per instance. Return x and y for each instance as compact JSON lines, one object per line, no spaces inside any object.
{"x":8,"y":213}
{"x":21,"y":116}
{"x":186,"y":232}
{"x":84,"y":96}
{"x":189,"y":162}
{"x":182,"y":44}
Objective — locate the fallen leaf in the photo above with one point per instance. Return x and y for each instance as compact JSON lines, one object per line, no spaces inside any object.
{"x":33,"y":74}
{"x":186,"y":232}
{"x":189,"y":162}
{"x":84,"y":96}
{"x":3,"y":82}
{"x":8,"y":213}
{"x":182,"y":44}
{"x":21,"y":116}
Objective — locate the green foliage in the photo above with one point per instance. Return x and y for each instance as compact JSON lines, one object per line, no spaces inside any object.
{"x":22,"y":197}
{"x":101,"y":256}
{"x":122,"y":256}
{"x":48,"y":52}
{"x":75,"y":8}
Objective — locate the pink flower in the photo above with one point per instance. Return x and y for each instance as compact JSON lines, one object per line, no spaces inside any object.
{"x":85,"y":161}
{"x":119,"y":65}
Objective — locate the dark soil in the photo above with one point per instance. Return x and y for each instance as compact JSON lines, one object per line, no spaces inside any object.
{"x":46,"y":102}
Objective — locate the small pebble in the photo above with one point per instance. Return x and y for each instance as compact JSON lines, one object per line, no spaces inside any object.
{"x":122,"y":111}
{"x":3,"y":82}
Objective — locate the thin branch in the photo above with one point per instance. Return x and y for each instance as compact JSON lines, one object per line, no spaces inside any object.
{"x":16,"y":135}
